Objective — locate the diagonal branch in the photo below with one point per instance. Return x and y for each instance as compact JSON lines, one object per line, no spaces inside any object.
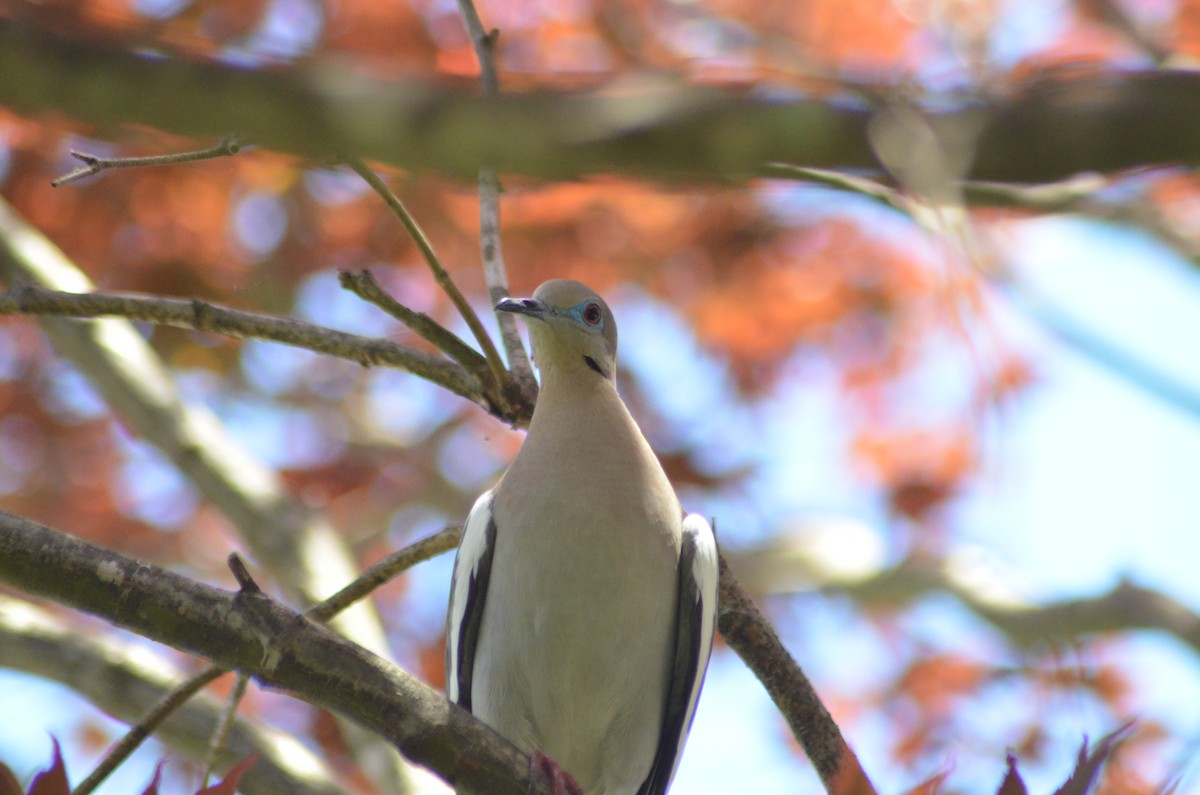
{"x":365,"y":286}
{"x":251,"y":633}
{"x":1066,"y":195}
{"x":1117,"y":359}
{"x":440,"y":275}
{"x":368,"y":581}
{"x":391,"y":566}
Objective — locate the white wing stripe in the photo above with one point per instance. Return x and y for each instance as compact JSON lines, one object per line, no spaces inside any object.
{"x":472,"y":549}
{"x":705,"y":572}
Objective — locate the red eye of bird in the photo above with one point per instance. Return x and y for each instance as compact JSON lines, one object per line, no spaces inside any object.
{"x":591,"y":314}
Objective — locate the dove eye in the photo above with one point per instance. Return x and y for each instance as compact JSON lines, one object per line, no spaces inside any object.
{"x":592,"y":314}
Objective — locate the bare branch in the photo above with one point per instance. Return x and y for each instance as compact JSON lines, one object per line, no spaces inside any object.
{"x":484,"y":42}
{"x":171,"y":701}
{"x":220,"y":737}
{"x":1117,"y":360}
{"x":1068,"y":195}
{"x":870,"y":188}
{"x":386,"y":569}
{"x":278,"y":647}
{"x":94,"y":165}
{"x":490,"y":243}
{"x":1127,"y":606}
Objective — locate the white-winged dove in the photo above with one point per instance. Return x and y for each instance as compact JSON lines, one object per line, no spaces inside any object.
{"x":583,"y":601}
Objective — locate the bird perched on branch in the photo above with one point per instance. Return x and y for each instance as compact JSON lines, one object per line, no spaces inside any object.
{"x":583,"y":601}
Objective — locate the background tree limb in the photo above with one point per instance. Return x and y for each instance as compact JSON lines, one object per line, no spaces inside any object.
{"x":788,"y":566}
{"x":1051,"y":130}
{"x":121,"y":680}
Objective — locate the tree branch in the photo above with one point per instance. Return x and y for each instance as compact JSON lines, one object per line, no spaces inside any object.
{"x":371,"y":579}
{"x":277,"y":646}
{"x":1116,"y":359}
{"x":1068,"y":195}
{"x":324,"y":110}
{"x":1127,"y":606}
{"x":386,"y":569}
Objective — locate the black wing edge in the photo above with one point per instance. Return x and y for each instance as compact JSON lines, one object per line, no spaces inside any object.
{"x":462,"y":634}
{"x":690,"y":661}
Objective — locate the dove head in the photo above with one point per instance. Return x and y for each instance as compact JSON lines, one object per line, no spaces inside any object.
{"x":572,"y":330}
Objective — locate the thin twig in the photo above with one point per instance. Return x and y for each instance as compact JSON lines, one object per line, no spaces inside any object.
{"x":365,"y":286}
{"x":494,"y":270}
{"x":94,"y":164}
{"x":440,"y":274}
{"x":484,"y":41}
{"x":1063,"y":195}
{"x":146,"y":726}
{"x":363,"y":585}
{"x":386,"y":569}
{"x":839,"y":181}
{"x":221,"y":736}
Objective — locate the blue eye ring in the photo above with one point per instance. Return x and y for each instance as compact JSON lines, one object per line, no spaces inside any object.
{"x":592,"y":315}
